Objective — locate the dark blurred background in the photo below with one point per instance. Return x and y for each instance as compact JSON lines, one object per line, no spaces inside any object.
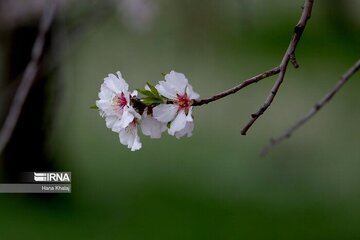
{"x":213,"y":185}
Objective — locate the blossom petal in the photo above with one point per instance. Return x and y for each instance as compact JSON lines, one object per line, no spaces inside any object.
{"x":190,"y":92}
{"x":166,"y":90}
{"x":126,"y":119}
{"x":177,"y":81}
{"x":134,"y":93}
{"x":178,"y":123}
{"x":165,"y":112}
{"x":128,"y":136}
{"x":104,"y":103}
{"x":152,"y":127}
{"x":136,"y":144}
{"x":112,"y":83}
{"x":111,"y":121}
{"x":187,"y":130}
{"x":131,"y":110}
{"x":189,"y":117}
{"x":105,"y":93}
{"x":123,"y":85}
{"x":116,"y":83}
{"x":105,"y":109}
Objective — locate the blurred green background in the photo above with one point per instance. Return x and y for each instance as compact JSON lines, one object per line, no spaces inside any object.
{"x":213,"y":185}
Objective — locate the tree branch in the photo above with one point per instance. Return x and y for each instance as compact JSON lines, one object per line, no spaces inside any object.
{"x":289,"y":56}
{"x":233,"y":90}
{"x":28,"y":76}
{"x":315,"y":109}
{"x":281,"y":69}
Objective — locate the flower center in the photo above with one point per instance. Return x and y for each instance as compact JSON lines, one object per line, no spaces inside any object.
{"x":183,"y":101}
{"x":121,"y":100}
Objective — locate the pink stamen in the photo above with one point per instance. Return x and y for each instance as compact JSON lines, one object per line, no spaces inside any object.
{"x":121,"y":101}
{"x":183,"y":101}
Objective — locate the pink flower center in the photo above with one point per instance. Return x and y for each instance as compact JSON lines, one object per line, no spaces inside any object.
{"x":121,"y":101}
{"x":183,"y":101}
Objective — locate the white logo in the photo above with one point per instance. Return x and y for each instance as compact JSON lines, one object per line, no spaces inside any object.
{"x":51,"y":177}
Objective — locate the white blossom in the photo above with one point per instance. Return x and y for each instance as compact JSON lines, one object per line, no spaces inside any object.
{"x":114,"y":103}
{"x":177,"y":89}
{"x":115,"y":106}
{"x":167,"y":106}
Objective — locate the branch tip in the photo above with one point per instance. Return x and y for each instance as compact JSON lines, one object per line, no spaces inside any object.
{"x":314,"y":110}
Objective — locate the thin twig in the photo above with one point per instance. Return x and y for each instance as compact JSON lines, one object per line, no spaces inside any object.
{"x":28,"y":76}
{"x":289,"y":55}
{"x":233,"y":90}
{"x":316,"y":108}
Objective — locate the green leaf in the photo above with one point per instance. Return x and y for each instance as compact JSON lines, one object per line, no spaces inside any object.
{"x":147,"y":102}
{"x":94,"y":107}
{"x":145,"y":92}
{"x":153,"y":89}
{"x":163,"y":74}
{"x":151,"y":100}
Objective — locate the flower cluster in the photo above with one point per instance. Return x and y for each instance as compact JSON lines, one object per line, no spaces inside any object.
{"x":166,"y":106}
